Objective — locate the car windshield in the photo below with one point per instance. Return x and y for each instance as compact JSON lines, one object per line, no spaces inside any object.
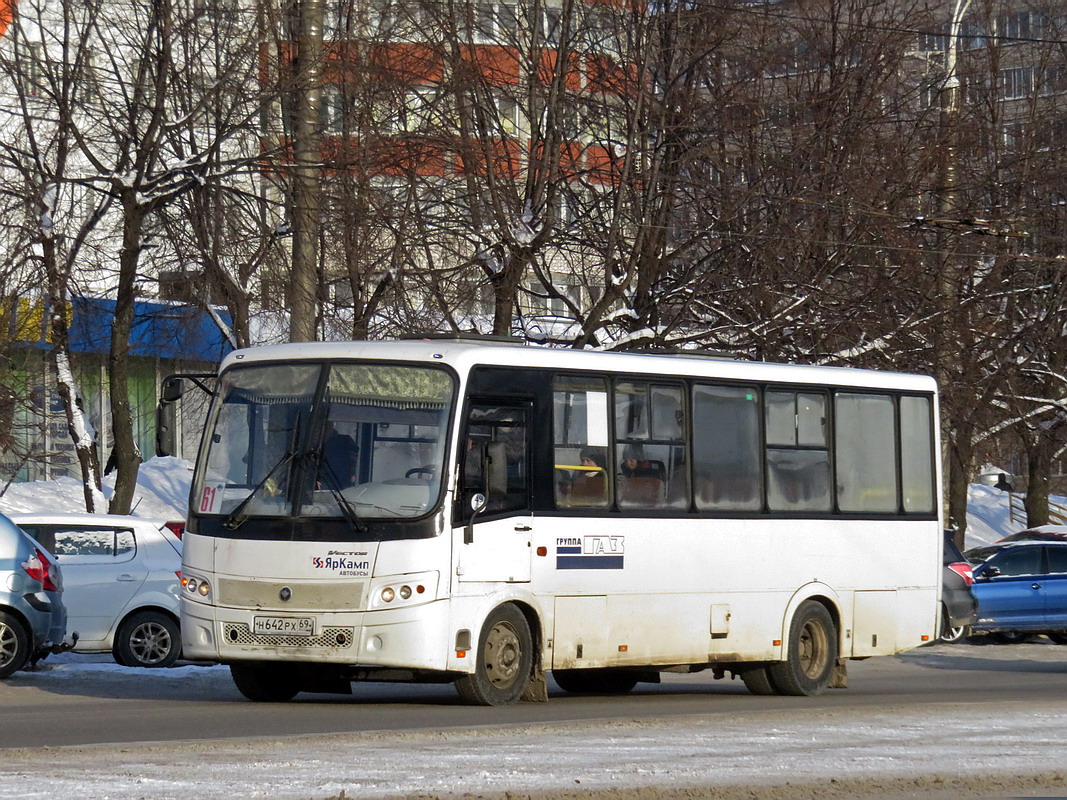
{"x":348,"y":440}
{"x":979,"y":555}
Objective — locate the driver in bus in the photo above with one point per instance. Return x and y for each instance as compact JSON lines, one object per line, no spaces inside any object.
{"x":340,"y":459}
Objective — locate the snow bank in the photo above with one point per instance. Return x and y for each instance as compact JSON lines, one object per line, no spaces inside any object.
{"x":989,"y":515}
{"x":162,"y":492}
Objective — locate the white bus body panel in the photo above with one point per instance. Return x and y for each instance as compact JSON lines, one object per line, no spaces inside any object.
{"x":609,"y":590}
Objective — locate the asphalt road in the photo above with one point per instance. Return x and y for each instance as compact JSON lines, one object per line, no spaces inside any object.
{"x":81,"y":706}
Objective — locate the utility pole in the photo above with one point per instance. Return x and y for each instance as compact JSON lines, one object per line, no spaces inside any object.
{"x":307,"y":157}
{"x":953,"y":464}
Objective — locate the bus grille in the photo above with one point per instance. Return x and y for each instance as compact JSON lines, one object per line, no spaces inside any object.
{"x":237,"y":633}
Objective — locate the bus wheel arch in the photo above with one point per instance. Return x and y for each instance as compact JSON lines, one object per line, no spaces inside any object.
{"x":504,"y":660}
{"x":812,"y":649}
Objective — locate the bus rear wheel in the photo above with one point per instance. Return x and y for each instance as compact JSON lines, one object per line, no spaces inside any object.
{"x":811,"y":653}
{"x":504,"y":660}
{"x":758,"y":681}
{"x":595,"y":681}
{"x":265,"y":683}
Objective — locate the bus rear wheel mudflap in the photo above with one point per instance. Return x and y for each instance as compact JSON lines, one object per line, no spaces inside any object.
{"x":504,"y":660}
{"x":811,"y":653}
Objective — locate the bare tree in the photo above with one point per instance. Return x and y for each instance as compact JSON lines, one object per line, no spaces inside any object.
{"x":119,"y":116}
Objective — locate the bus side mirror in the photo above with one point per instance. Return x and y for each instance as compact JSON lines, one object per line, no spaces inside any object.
{"x":172,"y":389}
{"x":167,"y":415}
{"x":478,"y":504}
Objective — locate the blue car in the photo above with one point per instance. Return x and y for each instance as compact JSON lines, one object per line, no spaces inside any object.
{"x":32,"y":616}
{"x":1021,"y":589}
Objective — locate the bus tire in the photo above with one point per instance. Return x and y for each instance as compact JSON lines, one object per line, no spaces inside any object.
{"x":758,"y":681}
{"x":811,"y":653}
{"x":14,"y":645}
{"x":595,"y":681}
{"x":504,"y":660}
{"x":265,"y":683}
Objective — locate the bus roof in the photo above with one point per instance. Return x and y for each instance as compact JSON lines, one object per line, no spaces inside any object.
{"x":462,"y":354}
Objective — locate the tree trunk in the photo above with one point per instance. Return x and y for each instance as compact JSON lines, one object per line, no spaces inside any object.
{"x":127,"y":457}
{"x":961,"y":454}
{"x":306,"y":188}
{"x":1038,"y":467}
{"x":77,"y":425}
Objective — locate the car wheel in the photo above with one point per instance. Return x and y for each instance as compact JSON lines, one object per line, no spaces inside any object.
{"x":955,"y":635}
{"x":595,"y":681}
{"x":148,"y":639}
{"x":1057,"y":637}
{"x":1009,"y":637}
{"x":811,"y":655}
{"x":504,"y":660}
{"x":266,"y":683}
{"x":14,"y":645}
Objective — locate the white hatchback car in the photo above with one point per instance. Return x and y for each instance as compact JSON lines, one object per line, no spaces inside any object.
{"x":120,"y":577}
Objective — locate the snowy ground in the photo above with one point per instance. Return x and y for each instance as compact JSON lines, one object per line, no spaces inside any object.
{"x":936,"y":751}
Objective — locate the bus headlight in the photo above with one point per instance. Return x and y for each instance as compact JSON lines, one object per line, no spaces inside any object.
{"x":197,"y":587}
{"x":404,"y":590}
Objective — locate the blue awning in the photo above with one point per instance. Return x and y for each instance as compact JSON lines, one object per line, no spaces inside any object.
{"x":160,"y":330}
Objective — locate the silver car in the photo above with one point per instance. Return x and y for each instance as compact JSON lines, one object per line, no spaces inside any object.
{"x":32,"y":616}
{"x":121,"y":583}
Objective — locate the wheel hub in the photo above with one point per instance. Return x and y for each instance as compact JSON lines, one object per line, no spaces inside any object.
{"x":503,"y":654}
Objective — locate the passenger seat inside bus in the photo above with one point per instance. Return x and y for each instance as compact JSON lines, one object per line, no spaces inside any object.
{"x":643,"y":487}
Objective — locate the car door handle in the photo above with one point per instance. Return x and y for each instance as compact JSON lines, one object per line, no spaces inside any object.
{"x":125,"y":576}
{"x":1035,"y":585}
{"x":523,"y":528}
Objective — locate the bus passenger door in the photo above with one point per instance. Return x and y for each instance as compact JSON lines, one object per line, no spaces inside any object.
{"x":494,"y":542}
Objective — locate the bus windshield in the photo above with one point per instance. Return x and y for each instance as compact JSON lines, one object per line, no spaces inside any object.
{"x":356,"y":441}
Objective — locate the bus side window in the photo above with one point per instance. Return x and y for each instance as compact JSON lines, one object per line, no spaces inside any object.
{"x":580,"y":438}
{"x":496,"y":461}
{"x":798,"y":461}
{"x":726,"y":448}
{"x":650,"y":446}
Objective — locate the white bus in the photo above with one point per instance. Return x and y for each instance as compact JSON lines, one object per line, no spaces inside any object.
{"x":485,"y":513}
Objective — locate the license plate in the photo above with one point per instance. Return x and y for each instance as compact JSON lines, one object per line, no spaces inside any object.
{"x":287,"y":626}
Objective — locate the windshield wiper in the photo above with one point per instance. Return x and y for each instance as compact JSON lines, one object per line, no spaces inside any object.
{"x":237,"y":517}
{"x":347,"y":509}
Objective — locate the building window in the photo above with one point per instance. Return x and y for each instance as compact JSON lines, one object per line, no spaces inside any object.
{"x":1016,"y":25}
{"x":490,"y":22}
{"x":1016,"y":83}
{"x":933,"y":41}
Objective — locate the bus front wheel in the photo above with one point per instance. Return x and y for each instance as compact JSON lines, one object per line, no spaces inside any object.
{"x":265,"y":683}
{"x":504,"y":660}
{"x":811,"y":653}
